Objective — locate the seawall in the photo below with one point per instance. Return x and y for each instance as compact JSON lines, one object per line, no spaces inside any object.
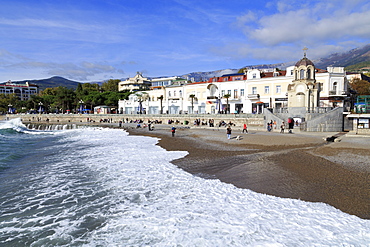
{"x":256,"y":121}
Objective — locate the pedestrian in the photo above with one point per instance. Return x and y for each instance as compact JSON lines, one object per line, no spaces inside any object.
{"x":245,"y":128}
{"x":228,"y":132}
{"x":290,"y":124}
{"x":173,"y":130}
{"x":268,"y":126}
{"x":282,"y":127}
{"x":274,"y":124}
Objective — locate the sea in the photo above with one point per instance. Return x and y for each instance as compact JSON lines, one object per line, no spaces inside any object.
{"x":90,"y":186}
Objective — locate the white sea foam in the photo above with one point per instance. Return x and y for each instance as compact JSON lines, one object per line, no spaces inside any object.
{"x":159,"y":204}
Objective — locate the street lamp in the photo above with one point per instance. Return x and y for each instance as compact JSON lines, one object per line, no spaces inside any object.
{"x":81,"y":106}
{"x":219,"y":103}
{"x":40,"y":107}
{"x":10,"y":110}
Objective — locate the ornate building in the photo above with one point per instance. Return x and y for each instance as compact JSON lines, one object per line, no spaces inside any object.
{"x":304,"y":91}
{"x":136,"y":83}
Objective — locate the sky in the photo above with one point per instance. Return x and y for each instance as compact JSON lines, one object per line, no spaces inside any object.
{"x":97,"y":40}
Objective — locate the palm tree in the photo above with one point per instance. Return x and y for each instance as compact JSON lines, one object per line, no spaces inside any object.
{"x":227,"y":96}
{"x":161,"y":99}
{"x":192,"y":96}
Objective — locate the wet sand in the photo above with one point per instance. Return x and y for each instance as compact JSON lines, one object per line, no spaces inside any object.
{"x":300,"y":165}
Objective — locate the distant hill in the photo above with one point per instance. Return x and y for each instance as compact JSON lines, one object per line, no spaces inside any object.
{"x":54,"y":81}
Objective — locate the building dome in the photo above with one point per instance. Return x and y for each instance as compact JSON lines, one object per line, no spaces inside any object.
{"x":305,"y":62}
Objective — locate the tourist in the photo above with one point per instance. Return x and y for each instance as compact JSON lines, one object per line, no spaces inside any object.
{"x":173,"y":130}
{"x":228,"y":132}
{"x":282,"y":127}
{"x":245,"y":128}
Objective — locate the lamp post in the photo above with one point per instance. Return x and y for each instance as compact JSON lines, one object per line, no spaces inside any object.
{"x":40,"y":107}
{"x":81,"y":106}
{"x":219,"y":103}
{"x":10,"y":110}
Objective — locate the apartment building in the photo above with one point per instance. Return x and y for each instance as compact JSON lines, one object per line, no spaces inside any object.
{"x":23,"y":90}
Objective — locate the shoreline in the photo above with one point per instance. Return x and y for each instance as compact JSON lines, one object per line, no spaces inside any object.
{"x":299,"y":166}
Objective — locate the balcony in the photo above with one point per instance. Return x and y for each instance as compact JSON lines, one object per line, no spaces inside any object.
{"x":212,"y":97}
{"x":334,"y":92}
{"x":253,"y":96}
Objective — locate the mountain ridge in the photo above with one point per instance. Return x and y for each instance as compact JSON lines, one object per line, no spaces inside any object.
{"x":352,"y":59}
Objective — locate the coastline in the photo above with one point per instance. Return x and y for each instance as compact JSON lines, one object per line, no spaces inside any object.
{"x":299,"y":166}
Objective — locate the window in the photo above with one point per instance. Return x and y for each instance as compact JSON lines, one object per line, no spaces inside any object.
{"x":241,"y":92}
{"x":335,"y":86}
{"x":180,"y":92}
{"x":229,"y":92}
{"x":278,"y":89}
{"x":169,"y":93}
{"x":174,"y":93}
{"x":254,"y":90}
{"x":267,"y":89}
{"x":308,"y":74}
{"x":222,"y":92}
{"x":301,"y":76}
{"x":235,"y":93}
{"x":254,"y":75}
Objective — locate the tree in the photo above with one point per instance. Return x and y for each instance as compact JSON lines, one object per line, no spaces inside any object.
{"x":362,"y":87}
{"x":65,"y":98}
{"x":161,"y":99}
{"x":110,"y":85}
{"x":192,"y":96}
{"x":227,"y":96}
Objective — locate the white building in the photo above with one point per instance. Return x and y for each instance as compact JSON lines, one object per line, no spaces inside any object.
{"x":249,"y":92}
{"x":23,"y":91}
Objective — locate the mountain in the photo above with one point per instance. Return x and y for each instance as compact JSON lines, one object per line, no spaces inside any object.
{"x":352,"y":57}
{"x":354,"y":60}
{"x":54,"y":81}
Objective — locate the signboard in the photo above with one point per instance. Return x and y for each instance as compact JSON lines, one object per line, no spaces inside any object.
{"x":281,"y":99}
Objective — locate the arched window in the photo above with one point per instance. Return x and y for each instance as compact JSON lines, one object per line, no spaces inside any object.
{"x":301,"y":74}
{"x":335,"y":86}
{"x":309,"y":74}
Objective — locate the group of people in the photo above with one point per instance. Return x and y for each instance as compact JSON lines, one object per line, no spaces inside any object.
{"x":290,"y":126}
{"x":229,"y":130}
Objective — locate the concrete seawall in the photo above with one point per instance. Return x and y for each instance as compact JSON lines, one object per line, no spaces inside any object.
{"x":256,"y":121}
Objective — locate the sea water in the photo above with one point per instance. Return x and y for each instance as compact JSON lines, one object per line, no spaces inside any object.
{"x":103,"y":187}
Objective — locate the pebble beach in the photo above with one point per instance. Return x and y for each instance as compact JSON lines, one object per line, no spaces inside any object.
{"x":301,"y":165}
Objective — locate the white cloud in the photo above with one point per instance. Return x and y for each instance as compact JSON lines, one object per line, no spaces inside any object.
{"x":325,"y":27}
{"x":79,"y":71}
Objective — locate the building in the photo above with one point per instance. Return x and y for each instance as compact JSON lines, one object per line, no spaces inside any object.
{"x":23,"y":91}
{"x":253,"y":91}
{"x":136,"y":83}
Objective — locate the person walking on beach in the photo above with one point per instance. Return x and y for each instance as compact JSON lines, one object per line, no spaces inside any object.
{"x":228,"y":132}
{"x":282,"y":127}
{"x":245,"y":128}
{"x":173,"y":130}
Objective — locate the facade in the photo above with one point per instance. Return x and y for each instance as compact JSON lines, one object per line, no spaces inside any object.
{"x":23,"y":91}
{"x":252,"y":91}
{"x":136,"y":83}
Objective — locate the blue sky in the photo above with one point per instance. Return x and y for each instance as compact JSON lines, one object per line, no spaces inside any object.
{"x":94,"y":40}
